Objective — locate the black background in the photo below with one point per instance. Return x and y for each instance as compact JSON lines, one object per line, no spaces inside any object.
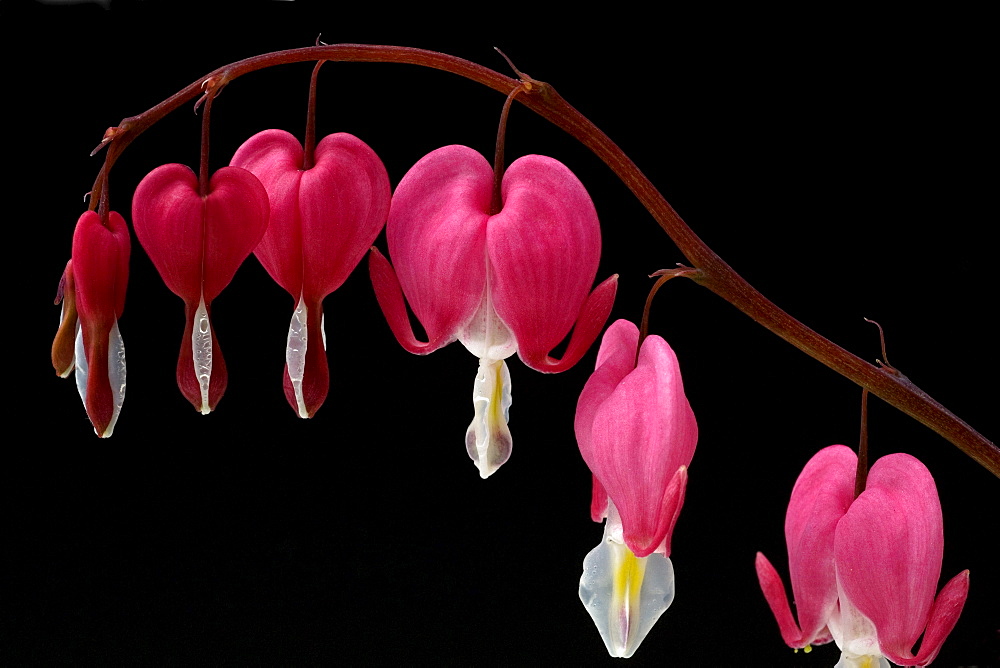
{"x":838,"y":161}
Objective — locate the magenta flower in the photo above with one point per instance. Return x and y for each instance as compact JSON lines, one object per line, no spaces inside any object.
{"x":93,"y":300}
{"x":516,"y":281}
{"x":637,"y":433}
{"x":323,"y":220}
{"x":197,"y":243}
{"x":864,"y":571}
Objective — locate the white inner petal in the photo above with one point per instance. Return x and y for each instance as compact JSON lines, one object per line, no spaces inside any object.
{"x":486,"y":336}
{"x":855,"y":635}
{"x":201,"y":347}
{"x":487,"y":439}
{"x":295,"y":353}
{"x":624,"y":594}
{"x":81,"y":364}
{"x":116,"y":374}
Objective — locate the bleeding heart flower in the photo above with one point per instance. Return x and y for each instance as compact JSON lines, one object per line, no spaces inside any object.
{"x":514,"y":281}
{"x":637,"y":433}
{"x":864,"y":571}
{"x":93,"y":294}
{"x":323,"y":220}
{"x":197,"y":243}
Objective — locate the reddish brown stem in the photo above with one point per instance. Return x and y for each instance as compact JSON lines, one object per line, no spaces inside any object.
{"x":664,"y":276}
{"x":498,"y":160}
{"x":714,"y":273}
{"x":861,"y":477}
{"x":203,"y":173}
{"x":309,"y":145}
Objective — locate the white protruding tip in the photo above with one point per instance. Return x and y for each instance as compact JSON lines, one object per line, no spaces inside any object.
{"x":116,"y":375}
{"x":487,"y":439}
{"x":201,"y":347}
{"x":295,"y":353}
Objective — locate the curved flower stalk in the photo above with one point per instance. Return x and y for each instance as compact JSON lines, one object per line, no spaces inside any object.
{"x":93,"y":295}
{"x":516,"y":281}
{"x":864,"y":571}
{"x":197,"y":243}
{"x":637,"y":433}
{"x":323,"y":220}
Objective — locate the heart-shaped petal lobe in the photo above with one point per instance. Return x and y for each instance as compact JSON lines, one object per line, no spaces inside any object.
{"x":544,"y":247}
{"x":437,"y":239}
{"x":889,"y":548}
{"x":822,"y":494}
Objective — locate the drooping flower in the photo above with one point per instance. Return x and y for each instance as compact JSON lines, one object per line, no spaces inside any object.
{"x":323,"y":220}
{"x":93,"y":294}
{"x":637,"y":433}
{"x":864,"y":571}
{"x":514,"y":281}
{"x":197,"y":243}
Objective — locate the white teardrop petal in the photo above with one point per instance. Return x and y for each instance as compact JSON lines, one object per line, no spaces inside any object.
{"x":116,"y":375}
{"x":487,"y":439}
{"x":201,"y":347}
{"x":295,"y":353}
{"x":81,"y":365}
{"x":625,"y":594}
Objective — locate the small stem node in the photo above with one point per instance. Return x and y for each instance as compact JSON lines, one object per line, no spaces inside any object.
{"x":881,"y":335}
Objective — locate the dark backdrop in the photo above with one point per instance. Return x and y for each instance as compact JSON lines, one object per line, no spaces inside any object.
{"x":839,"y":163}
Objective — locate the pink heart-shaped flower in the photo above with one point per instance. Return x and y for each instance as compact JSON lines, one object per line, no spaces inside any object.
{"x":323,"y":220}
{"x":197,"y":243}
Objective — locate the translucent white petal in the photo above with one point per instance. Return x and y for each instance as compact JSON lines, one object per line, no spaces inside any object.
{"x":855,"y":635}
{"x":488,"y":438}
{"x":201,"y":346}
{"x":625,"y":594}
{"x":867,"y":661}
{"x":295,"y":353}
{"x":486,"y":336}
{"x":81,"y":365}
{"x":116,"y":374}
